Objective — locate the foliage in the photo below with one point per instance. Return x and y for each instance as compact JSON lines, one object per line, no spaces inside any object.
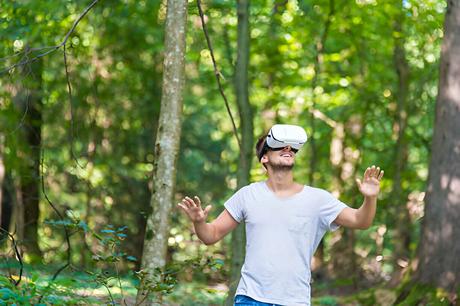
{"x":325,"y":300}
{"x":411,"y":293}
{"x":98,"y":155}
{"x":62,"y":290}
{"x":58,"y":291}
{"x":164,"y":280}
{"x":32,"y":292}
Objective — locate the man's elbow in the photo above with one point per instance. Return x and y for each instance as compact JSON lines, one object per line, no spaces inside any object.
{"x":362,"y":222}
{"x":209,"y":242}
{"x":363,"y":225}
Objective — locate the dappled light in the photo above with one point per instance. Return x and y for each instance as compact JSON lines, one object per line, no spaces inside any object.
{"x":120,"y":123}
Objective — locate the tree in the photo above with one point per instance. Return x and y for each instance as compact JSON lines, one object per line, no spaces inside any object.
{"x":29,"y":101}
{"x":2,"y":175}
{"x":167,"y":142}
{"x":399,"y":197}
{"x":439,"y":248}
{"x":247,"y":139}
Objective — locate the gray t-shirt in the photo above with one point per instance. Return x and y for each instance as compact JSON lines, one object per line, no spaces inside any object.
{"x":282,"y":235}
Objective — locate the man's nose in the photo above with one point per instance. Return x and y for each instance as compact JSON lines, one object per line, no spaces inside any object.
{"x":287,"y":148}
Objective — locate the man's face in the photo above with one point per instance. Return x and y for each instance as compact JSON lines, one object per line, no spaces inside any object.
{"x":283,"y":159}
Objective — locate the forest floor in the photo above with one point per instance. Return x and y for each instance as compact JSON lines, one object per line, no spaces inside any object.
{"x":73,"y":287}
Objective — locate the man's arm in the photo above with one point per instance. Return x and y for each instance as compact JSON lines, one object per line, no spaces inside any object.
{"x":362,"y":217}
{"x":212,"y":232}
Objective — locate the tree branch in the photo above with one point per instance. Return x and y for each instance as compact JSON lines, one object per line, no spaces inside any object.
{"x":217,"y":72}
{"x":52,"y":48}
{"x":18,"y":255}
{"x":69,"y":91}
{"x":69,"y":249}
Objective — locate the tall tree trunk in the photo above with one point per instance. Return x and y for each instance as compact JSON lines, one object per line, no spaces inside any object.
{"x":7,"y":206}
{"x":18,"y":211}
{"x":399,"y":198}
{"x":2,"y":176}
{"x":439,"y":248}
{"x":344,"y":261}
{"x":31,"y":105}
{"x":247,"y":139}
{"x":319,"y":50}
{"x":275,"y":61}
{"x":336,"y":159}
{"x":167,"y":143}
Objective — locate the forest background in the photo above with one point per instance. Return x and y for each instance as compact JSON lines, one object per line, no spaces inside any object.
{"x":79,"y":118}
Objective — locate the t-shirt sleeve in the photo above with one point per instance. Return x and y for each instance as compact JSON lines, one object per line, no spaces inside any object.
{"x":235,"y":205}
{"x":330,"y":211}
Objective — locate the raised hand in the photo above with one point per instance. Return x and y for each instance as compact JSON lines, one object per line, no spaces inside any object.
{"x":193,"y":209}
{"x":370,"y":186}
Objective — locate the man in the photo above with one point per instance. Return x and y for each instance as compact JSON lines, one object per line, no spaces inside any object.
{"x":285,"y":222}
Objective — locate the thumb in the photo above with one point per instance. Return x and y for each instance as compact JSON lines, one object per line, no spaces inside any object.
{"x":358,"y":182}
{"x":207,"y":209}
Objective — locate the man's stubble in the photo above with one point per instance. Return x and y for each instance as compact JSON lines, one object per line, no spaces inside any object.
{"x":280,"y":167}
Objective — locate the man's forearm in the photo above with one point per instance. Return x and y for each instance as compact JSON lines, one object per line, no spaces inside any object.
{"x":365,"y":214}
{"x":206,"y":232}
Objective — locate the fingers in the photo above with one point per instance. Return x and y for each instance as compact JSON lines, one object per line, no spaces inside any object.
{"x":182,"y":206}
{"x":367,"y":173}
{"x":377,"y":173}
{"x":207,"y":209}
{"x":373,"y":172}
{"x":188,"y":203}
{"x":198,"y":201}
{"x":192,"y":208}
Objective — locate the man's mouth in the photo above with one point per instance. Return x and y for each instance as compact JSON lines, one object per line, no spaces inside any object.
{"x":286,"y":155}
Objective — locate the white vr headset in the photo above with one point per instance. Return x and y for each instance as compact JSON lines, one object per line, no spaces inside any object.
{"x":283,"y":135}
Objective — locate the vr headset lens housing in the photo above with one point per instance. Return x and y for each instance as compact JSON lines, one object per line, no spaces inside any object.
{"x":283,"y":135}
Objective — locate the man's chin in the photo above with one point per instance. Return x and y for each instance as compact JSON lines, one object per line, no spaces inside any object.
{"x":282,"y":167}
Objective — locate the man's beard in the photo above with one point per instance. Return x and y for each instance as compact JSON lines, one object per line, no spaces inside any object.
{"x":280,"y":167}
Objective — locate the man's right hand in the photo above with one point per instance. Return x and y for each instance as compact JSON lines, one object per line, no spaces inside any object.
{"x":193,"y":209}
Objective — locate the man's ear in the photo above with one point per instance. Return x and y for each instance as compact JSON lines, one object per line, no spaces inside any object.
{"x":264,"y":159}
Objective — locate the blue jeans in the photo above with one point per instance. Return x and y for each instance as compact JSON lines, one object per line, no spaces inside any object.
{"x":243,"y":300}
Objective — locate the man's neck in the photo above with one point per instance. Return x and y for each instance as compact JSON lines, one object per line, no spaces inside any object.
{"x":281,"y":181}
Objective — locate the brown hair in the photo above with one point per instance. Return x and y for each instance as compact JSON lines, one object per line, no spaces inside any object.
{"x":260,"y":148}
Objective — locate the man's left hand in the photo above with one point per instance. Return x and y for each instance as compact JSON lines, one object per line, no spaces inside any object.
{"x":370,"y":186}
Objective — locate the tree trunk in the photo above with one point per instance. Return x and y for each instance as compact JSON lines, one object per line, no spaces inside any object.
{"x":7,"y":206}
{"x":399,"y":197}
{"x":270,"y":113}
{"x":344,"y":262}
{"x":167,"y":143}
{"x":439,"y":248}
{"x":30,"y":103}
{"x":247,"y":139}
{"x":319,"y":50}
{"x":18,"y":211}
{"x":2,"y":176}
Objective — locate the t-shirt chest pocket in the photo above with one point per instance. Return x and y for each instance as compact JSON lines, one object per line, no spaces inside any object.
{"x":299,"y":224}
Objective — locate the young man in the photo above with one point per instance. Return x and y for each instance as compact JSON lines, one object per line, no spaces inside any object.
{"x":285,"y":222}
